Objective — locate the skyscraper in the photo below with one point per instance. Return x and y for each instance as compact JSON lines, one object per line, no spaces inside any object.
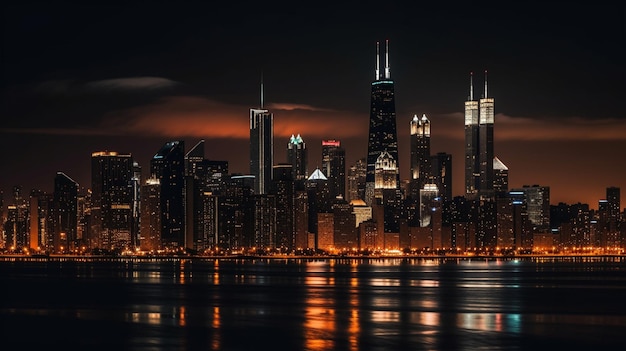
{"x":261,"y":147}
{"x":420,"y":154}
{"x":168,"y":166}
{"x":111,"y":200}
{"x":298,"y":158}
{"x":486,"y":143}
{"x":500,"y":177}
{"x":441,"y":164}
{"x":472,"y":165}
{"x":334,"y":167}
{"x":65,"y":213}
{"x":382,"y":127}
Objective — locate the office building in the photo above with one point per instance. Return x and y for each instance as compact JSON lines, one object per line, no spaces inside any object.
{"x":382,"y":126}
{"x":261,"y":147}
{"x":297,"y":157}
{"x":334,"y":167}
{"x":441,"y":166}
{"x":420,"y":154}
{"x":64,"y":214}
{"x":168,"y":166}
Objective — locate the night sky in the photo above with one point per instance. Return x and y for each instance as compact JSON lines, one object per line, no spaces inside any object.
{"x":130,"y":76}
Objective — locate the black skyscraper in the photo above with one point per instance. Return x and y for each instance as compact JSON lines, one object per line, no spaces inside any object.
{"x":65,"y":213}
{"x":334,"y":167}
{"x":382,"y":128}
{"x":261,"y":147}
{"x":168,"y":166}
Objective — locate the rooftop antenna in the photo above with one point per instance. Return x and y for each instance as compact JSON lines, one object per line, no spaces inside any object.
{"x":486,"y":84}
{"x":261,"y":89}
{"x":471,"y":96}
{"x":377,"y":62}
{"x":387,"y":72}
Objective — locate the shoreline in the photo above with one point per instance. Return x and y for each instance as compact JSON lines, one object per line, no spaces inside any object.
{"x":54,"y":257}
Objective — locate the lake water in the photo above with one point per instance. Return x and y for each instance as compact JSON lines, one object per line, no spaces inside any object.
{"x":313,"y":304}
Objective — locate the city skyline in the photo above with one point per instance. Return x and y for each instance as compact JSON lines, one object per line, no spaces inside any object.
{"x":129,"y":90}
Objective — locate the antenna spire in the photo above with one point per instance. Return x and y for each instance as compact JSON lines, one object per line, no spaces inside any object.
{"x":486,"y":84}
{"x":387,"y":71}
{"x":471,"y":96}
{"x":377,"y":62}
{"x":261,"y":89}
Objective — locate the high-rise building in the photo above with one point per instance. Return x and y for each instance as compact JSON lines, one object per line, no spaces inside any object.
{"x":65,"y":213}
{"x":261,"y":147}
{"x":168,"y":166}
{"x":428,"y":194}
{"x":203,"y":179}
{"x":150,"y":227}
{"x":472,"y":164}
{"x":420,"y":154}
{"x":537,"y":200}
{"x":500,"y":177}
{"x":334,"y":167}
{"x":485,"y":135}
{"x":297,"y":156}
{"x":382,"y":126}
{"x":111,"y":200}
{"x":356,"y":180}
{"x":40,"y":221}
{"x":283,"y":188}
{"x":318,"y":194}
{"x":441,"y":165}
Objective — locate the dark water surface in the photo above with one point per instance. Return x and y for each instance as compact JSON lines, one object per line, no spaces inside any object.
{"x":313,"y":304}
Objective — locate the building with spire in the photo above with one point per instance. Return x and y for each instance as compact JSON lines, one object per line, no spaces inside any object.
{"x":261,"y":147}
{"x":382,"y":125}
{"x":421,"y":172}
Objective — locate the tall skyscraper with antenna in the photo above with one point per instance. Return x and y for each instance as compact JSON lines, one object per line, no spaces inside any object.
{"x":472,"y":158}
{"x":486,"y":104}
{"x":382,"y":127}
{"x":261,"y":147}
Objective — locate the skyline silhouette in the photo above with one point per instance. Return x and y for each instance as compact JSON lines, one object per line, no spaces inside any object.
{"x":78,"y":80}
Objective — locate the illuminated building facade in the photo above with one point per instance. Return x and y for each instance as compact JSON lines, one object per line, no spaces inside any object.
{"x":382,"y":125}
{"x":111,"y":200}
{"x":150,"y":227}
{"x":356,"y":180}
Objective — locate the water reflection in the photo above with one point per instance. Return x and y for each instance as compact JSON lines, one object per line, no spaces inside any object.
{"x":310,"y":304}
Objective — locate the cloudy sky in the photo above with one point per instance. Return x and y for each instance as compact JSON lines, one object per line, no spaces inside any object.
{"x":128,"y":77}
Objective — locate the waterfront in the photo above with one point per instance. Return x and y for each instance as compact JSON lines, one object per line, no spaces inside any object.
{"x":437,"y":303}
